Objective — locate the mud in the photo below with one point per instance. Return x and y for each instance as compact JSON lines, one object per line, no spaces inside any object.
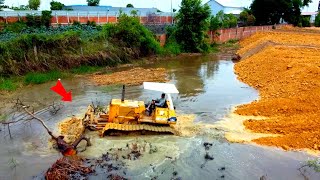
{"x":135,"y":76}
{"x":288,"y":79}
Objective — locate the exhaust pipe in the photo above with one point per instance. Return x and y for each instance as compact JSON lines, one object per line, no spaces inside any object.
{"x":123,"y":93}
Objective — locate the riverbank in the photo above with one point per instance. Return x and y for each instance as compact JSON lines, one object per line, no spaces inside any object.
{"x":14,"y":82}
{"x":285,"y":69}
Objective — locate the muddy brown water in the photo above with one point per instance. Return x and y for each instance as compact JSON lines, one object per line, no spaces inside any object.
{"x":208,"y":89}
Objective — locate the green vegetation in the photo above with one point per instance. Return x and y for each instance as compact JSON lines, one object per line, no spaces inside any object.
{"x":33,"y":52}
{"x":315,"y":164}
{"x":221,"y":20}
{"x":317,"y":20}
{"x":39,"y":78}
{"x":270,"y":12}
{"x":21,"y":8}
{"x":192,"y":26}
{"x":130,"y":6}
{"x":34,"y":4}
{"x":1,"y":4}
{"x":93,"y":2}
{"x":305,"y":21}
{"x":38,"y":54}
{"x":84,"y":69}
{"x":7,"y":85}
{"x":129,"y":33}
{"x":55,"y":5}
{"x":3,"y":117}
{"x":247,"y":18}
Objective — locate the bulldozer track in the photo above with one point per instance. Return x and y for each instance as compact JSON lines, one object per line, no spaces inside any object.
{"x":137,"y":127}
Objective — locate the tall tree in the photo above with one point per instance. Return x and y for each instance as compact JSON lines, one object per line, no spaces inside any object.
{"x":192,"y":25}
{"x":271,"y":11}
{"x":247,"y":17}
{"x":130,"y":6}
{"x":93,"y":2}
{"x":1,"y":4}
{"x":34,"y":4}
{"x":55,"y":5}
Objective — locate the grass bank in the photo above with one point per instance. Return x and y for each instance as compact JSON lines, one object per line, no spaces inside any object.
{"x":14,"y":82}
{"x":30,"y":55}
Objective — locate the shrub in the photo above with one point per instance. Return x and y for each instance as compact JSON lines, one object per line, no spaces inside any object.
{"x":33,"y":21}
{"x":128,"y":32}
{"x":46,"y":18}
{"x":16,"y":27}
{"x":247,"y":18}
{"x":215,"y":23}
{"x":226,"y":20}
{"x":39,"y":21}
{"x":34,"y":4}
{"x":93,"y":2}
{"x":130,"y":6}
{"x":56,"y":5}
{"x":76,"y":23}
{"x":305,"y":21}
{"x":317,"y":21}
{"x":91,"y":23}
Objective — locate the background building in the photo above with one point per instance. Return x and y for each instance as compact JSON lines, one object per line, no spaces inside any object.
{"x":234,"y":7}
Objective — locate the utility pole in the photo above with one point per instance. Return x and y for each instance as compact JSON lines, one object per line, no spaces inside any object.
{"x":171,"y":13}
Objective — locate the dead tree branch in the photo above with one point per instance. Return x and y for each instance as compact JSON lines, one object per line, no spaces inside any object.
{"x":65,"y":148}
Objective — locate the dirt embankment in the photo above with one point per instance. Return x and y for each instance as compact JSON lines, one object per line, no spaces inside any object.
{"x":288,"y":79}
{"x":135,"y":76}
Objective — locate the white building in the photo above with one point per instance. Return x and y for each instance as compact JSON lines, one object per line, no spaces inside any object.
{"x":234,"y":7}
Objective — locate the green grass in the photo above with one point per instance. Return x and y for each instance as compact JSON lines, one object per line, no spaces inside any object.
{"x":85,"y":69}
{"x":7,"y":85}
{"x":315,"y":164}
{"x":171,"y":48}
{"x":3,"y":117}
{"x":12,"y":83}
{"x":214,"y":47}
{"x":39,"y":78}
{"x":233,"y":41}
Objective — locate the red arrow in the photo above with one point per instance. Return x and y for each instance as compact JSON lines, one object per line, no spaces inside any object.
{"x":59,"y":89}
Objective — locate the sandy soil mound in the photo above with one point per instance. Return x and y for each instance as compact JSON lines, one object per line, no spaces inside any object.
{"x":282,"y":38}
{"x":135,"y":76}
{"x":288,"y":79}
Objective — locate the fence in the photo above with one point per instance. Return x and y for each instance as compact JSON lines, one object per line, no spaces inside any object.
{"x":100,"y":17}
{"x":224,"y":35}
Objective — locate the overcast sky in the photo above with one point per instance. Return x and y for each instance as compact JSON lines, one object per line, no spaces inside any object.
{"x":164,"y":5}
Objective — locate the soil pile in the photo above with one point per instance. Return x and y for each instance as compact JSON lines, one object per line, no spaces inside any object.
{"x":288,"y":79}
{"x":135,"y":76}
{"x":281,"y":37}
{"x":71,"y":129}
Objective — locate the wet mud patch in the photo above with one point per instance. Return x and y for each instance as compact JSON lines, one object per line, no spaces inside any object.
{"x":135,"y":76}
{"x":207,"y":157}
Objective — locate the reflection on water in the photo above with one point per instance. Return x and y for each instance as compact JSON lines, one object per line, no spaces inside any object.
{"x":208,"y":88}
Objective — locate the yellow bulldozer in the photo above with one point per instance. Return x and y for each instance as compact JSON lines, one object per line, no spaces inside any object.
{"x":131,"y":115}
